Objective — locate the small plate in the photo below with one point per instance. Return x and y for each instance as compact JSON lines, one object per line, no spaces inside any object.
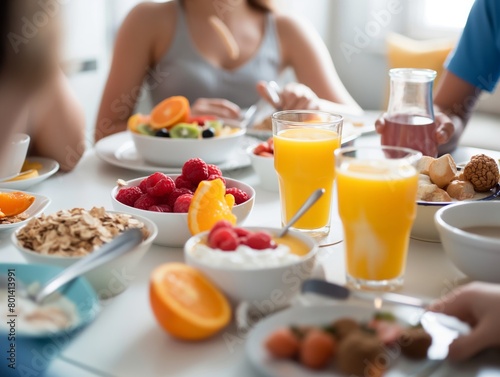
{"x":119,"y":150}
{"x":49,"y":167}
{"x":39,"y":205}
{"x":320,"y":315}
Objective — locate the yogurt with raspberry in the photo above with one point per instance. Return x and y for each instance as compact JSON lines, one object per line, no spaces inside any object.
{"x":243,"y":257}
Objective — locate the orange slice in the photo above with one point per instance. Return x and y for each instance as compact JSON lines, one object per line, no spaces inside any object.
{"x":209,"y":205}
{"x":137,"y":119}
{"x":14,"y":203}
{"x":169,"y":112}
{"x":185,"y":303}
{"x":29,"y":165}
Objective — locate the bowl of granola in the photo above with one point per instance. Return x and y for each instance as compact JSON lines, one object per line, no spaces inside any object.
{"x":62,"y":238}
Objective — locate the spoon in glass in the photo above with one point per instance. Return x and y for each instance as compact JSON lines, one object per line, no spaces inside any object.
{"x":303,"y":209}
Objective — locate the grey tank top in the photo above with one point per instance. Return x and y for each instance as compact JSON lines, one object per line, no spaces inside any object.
{"x":188,"y":74}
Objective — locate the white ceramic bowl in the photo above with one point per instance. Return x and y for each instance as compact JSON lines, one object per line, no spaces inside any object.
{"x":108,"y":279}
{"x":174,"y":152}
{"x":173,"y":227}
{"x":262,"y":288}
{"x":264,"y":167}
{"x":476,"y":256}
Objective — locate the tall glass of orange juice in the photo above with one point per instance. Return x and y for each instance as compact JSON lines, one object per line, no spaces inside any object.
{"x":377,"y":188}
{"x":304,"y":142}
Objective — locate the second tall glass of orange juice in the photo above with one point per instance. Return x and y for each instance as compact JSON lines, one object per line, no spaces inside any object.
{"x":377,"y":188}
{"x":304,"y":142}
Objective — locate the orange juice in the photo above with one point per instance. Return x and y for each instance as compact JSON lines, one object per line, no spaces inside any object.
{"x":304,"y":161}
{"x":377,"y":207}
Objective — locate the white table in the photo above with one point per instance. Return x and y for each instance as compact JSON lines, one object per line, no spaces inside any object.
{"x":125,"y":339}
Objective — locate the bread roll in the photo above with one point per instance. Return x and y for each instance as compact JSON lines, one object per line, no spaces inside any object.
{"x":460,"y":190}
{"x":432,"y":193}
{"x":424,"y":163}
{"x":443,"y":170}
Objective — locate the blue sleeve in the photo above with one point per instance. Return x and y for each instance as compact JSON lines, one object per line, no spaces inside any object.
{"x":476,"y":59}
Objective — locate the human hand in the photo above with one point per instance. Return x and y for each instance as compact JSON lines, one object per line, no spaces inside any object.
{"x":218,"y":107}
{"x":444,"y":127}
{"x":478,"y":304}
{"x":294,"y":96}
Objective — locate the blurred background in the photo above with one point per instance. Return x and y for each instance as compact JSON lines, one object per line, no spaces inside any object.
{"x":365,"y":39}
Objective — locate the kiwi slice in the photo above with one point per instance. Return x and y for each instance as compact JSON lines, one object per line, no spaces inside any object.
{"x":145,"y":129}
{"x":217,"y":125}
{"x":185,"y":131}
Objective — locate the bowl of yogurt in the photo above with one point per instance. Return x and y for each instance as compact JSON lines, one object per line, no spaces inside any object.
{"x":267,"y":278}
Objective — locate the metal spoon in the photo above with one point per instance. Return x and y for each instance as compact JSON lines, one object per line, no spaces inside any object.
{"x":249,"y":116}
{"x":303,"y":209}
{"x":273,"y":91}
{"x":120,"y":245}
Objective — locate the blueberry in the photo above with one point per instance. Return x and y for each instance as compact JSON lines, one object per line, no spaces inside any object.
{"x":209,"y":132}
{"x":162,"y":133}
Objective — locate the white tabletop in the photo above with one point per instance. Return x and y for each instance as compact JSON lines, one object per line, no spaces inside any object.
{"x":125,"y":339}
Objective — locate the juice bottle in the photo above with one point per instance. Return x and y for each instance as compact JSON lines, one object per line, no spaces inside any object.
{"x":304,"y":161}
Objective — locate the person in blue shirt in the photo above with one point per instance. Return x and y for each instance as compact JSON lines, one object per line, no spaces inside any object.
{"x":473,"y":66}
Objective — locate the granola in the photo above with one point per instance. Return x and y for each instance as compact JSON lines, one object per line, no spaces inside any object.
{"x":76,"y":232}
{"x":14,"y":219}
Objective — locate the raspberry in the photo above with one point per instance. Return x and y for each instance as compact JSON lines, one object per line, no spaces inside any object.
{"x":129,"y":195}
{"x":219,"y":225}
{"x":154,"y":178}
{"x":160,"y":208}
{"x":182,"y":203}
{"x":195,"y":170}
{"x":175,"y":194}
{"x":212,"y":177}
{"x":214,"y":170}
{"x":182,"y":182}
{"x":242,"y":232}
{"x":240,"y":196}
{"x":260,"y":241}
{"x":162,"y":188}
{"x":144,"y":202}
{"x":144,"y":185}
{"x":225,"y":239}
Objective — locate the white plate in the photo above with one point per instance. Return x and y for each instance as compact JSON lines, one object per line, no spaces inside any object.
{"x":49,"y":167}
{"x":321,"y":315}
{"x":41,"y":202}
{"x":119,"y":150}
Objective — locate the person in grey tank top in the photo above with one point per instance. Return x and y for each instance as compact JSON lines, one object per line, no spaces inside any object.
{"x":173,"y":48}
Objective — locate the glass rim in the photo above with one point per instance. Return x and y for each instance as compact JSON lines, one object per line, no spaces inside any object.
{"x":413,"y":74}
{"x":412,"y":154}
{"x":276,"y":117}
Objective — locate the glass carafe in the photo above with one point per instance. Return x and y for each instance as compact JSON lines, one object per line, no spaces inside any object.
{"x":409,"y":120}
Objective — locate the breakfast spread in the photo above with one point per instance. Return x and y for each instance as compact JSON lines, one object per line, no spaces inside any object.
{"x":355,"y":348}
{"x":56,"y":313}
{"x":171,"y":119}
{"x":441,"y":181}
{"x":13,"y":205}
{"x":161,"y":193}
{"x":75,"y":232}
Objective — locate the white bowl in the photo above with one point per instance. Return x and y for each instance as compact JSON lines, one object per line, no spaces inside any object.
{"x":37,"y":207}
{"x":423,"y":228}
{"x":172,"y":152}
{"x":108,"y":279}
{"x":174,"y":231}
{"x":262,"y":288}
{"x":476,"y":256}
{"x":264,"y":167}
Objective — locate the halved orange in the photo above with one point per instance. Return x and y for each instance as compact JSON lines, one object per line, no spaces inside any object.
{"x":169,"y":112}
{"x":14,"y":203}
{"x":185,"y":303}
{"x":137,"y":119}
{"x":209,"y":205}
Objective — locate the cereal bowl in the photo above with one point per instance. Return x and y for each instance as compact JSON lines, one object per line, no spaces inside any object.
{"x":174,"y":231}
{"x":470,"y":234}
{"x":109,"y":279}
{"x":263,"y":283}
{"x":38,"y":345}
{"x":172,"y":152}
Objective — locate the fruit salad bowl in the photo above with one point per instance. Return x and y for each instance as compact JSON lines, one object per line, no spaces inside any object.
{"x":173,"y":227}
{"x":172,"y":152}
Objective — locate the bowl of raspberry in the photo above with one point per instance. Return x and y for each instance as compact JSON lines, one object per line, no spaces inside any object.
{"x":165,"y":199}
{"x":253,"y":264}
{"x":262,"y":158}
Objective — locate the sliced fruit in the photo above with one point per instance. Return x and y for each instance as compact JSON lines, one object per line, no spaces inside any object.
{"x":169,"y":112}
{"x":32,"y":173}
{"x":29,"y":165}
{"x":135,"y":120}
{"x":185,"y":303}
{"x":217,"y":126}
{"x":209,"y":205}
{"x":145,"y":129}
{"x":14,"y":203}
{"x":185,"y":131}
{"x":201,"y":119}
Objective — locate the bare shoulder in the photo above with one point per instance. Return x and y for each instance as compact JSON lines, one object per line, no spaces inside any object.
{"x":149,"y":16}
{"x":290,"y":27}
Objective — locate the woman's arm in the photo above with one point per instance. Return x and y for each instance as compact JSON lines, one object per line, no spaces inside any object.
{"x":133,"y":56}
{"x":304,"y":50}
{"x":57,"y":124}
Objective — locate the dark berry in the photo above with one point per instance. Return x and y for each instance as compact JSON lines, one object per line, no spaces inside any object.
{"x":208,"y":133}
{"x":162,"y":133}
